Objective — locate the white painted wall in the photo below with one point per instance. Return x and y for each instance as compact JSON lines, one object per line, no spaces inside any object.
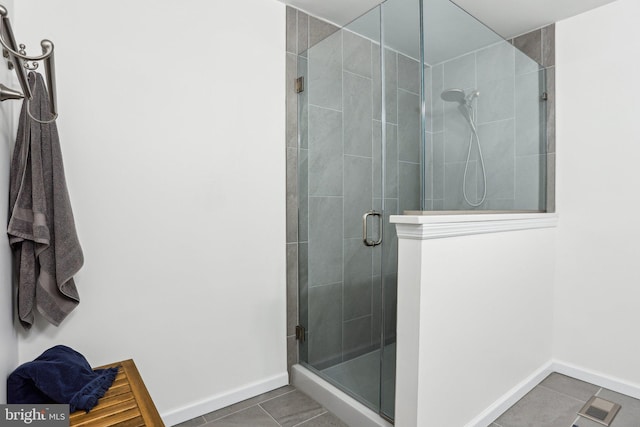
{"x":496,"y":308}
{"x":172,"y":129}
{"x":598,"y":280}
{"x":483,"y":321}
{"x":8,"y":337}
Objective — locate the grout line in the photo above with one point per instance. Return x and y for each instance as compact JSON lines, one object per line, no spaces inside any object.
{"x":267,"y":412}
{"x":362,"y":356}
{"x":312,"y":418}
{"x":344,"y":70}
{"x":297,"y":45}
{"x":231,"y":413}
{"x":275,"y":397}
{"x":324,"y":108}
{"x":324,"y":284}
{"x":248,"y":407}
{"x":320,"y":196}
{"x":408,"y":91}
{"x":388,"y":123}
{"x":359,"y":317}
{"x":563,"y":394}
{"x":495,"y":121}
{"x":359,"y":157}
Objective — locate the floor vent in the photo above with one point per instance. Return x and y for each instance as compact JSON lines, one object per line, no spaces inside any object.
{"x":599,"y":410}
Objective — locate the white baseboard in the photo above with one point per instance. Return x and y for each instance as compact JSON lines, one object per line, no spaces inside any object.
{"x":482,"y":420}
{"x":507,"y":400}
{"x":222,"y":400}
{"x":516,"y":393}
{"x":597,"y":378}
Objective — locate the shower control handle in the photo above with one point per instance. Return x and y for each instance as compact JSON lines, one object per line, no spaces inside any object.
{"x":365,"y":234}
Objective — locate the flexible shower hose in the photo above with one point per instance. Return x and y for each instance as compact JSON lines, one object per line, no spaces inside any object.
{"x":474,"y":132}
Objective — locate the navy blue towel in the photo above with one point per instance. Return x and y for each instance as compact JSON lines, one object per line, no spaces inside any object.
{"x":59,"y":375}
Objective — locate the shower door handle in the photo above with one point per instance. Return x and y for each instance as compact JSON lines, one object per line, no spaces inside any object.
{"x":365,"y":234}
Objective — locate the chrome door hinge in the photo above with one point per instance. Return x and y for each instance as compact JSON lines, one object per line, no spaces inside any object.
{"x":300,"y":333}
{"x":299,"y":84}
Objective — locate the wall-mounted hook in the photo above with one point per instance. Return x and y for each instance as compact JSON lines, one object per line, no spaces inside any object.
{"x":18,"y":56}
{"x":23,"y":51}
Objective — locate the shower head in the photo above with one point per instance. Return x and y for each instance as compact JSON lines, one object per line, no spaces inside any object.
{"x":453,"y":95}
{"x":459,"y":96}
{"x":465,"y":102}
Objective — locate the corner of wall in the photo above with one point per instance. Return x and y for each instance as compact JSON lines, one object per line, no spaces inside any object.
{"x":540,"y":45}
{"x":8,"y":336}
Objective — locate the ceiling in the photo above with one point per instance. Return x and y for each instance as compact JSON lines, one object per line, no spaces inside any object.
{"x":511,"y":18}
{"x":506,"y":17}
{"x":448,"y":30}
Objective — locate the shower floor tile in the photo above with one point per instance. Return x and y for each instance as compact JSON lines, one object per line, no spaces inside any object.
{"x":361,"y":376}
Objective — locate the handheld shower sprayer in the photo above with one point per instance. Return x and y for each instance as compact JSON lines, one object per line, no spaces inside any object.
{"x":466,"y":108}
{"x":459,"y":96}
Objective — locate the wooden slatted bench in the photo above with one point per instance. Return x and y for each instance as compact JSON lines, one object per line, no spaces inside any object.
{"x":126,"y":404}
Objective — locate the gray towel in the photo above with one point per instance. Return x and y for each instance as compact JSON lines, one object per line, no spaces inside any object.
{"x":41,"y":229}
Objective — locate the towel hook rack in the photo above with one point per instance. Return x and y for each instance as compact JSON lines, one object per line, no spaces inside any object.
{"x":17,"y":56}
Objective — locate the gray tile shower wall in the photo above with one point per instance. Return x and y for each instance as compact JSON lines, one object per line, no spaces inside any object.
{"x":540,"y":46}
{"x":509,"y":113}
{"x":291,"y":142}
{"x":303,"y":31}
{"x":334,"y":158}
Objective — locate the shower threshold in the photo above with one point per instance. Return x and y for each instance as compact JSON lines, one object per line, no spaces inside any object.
{"x":345,"y":407}
{"x":361,"y":377}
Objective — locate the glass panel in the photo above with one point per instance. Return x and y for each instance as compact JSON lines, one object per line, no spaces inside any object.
{"x":340,"y":174}
{"x":485,"y":117}
{"x":403,"y":145}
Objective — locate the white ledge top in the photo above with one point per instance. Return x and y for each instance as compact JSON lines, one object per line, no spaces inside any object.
{"x":447,"y":224}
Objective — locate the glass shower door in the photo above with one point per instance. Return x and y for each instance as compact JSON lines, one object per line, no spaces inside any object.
{"x":360,"y":156}
{"x":341,"y":210}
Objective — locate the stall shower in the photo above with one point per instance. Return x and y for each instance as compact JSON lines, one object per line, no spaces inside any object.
{"x":414,"y":106}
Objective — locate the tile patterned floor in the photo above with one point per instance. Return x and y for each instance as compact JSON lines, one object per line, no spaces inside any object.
{"x":283,"y":407}
{"x":556,"y":400}
{"x":552,"y":403}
